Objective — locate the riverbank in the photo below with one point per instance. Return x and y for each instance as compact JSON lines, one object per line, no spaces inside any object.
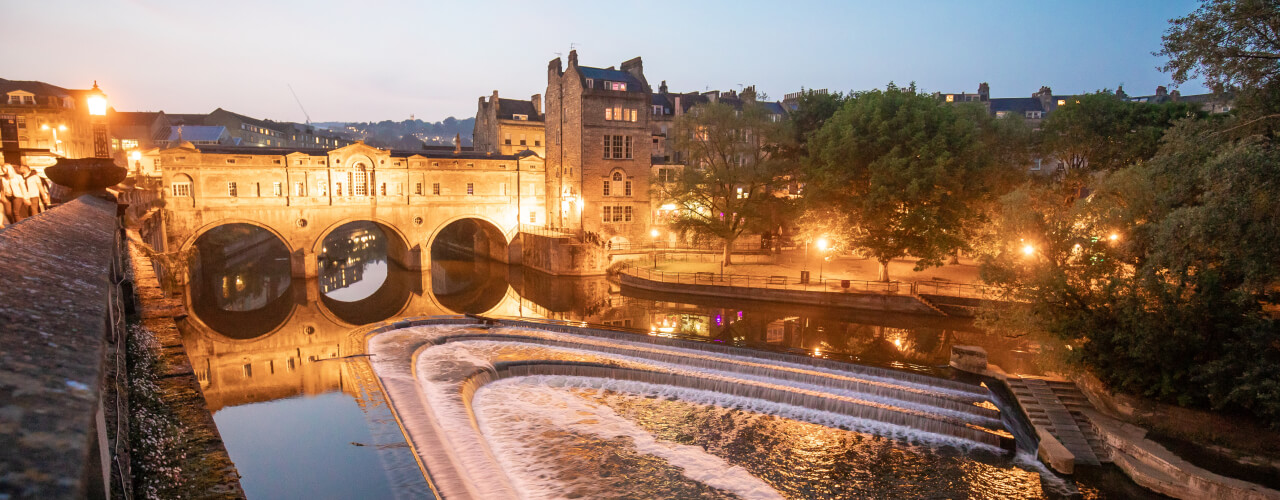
{"x":200,"y":466}
{"x":792,"y":262}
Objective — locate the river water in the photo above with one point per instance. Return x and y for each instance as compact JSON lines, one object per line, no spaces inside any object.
{"x":301,"y":422}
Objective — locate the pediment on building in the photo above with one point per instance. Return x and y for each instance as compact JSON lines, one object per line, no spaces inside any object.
{"x":359,"y":148}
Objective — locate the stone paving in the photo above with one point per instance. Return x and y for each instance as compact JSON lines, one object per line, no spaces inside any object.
{"x":1058,"y":407}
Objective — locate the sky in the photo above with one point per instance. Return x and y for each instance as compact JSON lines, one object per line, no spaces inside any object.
{"x":374,"y":60}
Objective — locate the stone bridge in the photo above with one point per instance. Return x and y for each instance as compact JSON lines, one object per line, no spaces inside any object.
{"x":301,"y":196}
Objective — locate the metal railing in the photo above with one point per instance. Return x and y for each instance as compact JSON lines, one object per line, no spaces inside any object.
{"x":683,"y":247}
{"x":769,"y":282}
{"x":822,"y":284}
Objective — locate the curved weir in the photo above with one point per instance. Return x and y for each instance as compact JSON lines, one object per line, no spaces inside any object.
{"x":489,"y":411}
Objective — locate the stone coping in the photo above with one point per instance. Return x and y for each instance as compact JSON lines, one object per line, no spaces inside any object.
{"x":54,"y":311}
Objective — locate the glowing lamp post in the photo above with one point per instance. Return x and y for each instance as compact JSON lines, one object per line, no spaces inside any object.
{"x":97,"y":116}
{"x":90,"y":175}
{"x":822,"y":254}
{"x":654,"y":234}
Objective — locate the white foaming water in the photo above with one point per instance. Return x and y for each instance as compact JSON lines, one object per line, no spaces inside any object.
{"x":468,"y":454}
{"x":512,"y":411}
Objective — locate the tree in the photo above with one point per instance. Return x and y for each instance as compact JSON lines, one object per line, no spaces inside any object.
{"x":1102,"y":132}
{"x":908,"y":169}
{"x":1233,"y":44}
{"x":731,"y":173}
{"x":1176,"y":298}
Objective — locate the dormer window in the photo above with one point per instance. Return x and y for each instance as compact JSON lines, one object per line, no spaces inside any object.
{"x":591,"y":83}
{"x":1035,"y":115}
{"x":519,"y":117}
{"x":22,"y":97}
{"x":619,"y":86}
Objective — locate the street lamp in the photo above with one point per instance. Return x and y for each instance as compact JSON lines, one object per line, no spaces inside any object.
{"x":822,"y":254}
{"x":57,"y":143}
{"x":97,"y":101}
{"x":654,"y":234}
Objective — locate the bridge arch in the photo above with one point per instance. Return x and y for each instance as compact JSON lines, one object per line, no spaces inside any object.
{"x":400,"y":247}
{"x":195,"y":235}
{"x":492,"y":235}
{"x":241,"y":285}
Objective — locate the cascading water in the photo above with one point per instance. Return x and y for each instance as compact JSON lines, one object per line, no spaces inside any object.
{"x":519,"y":412}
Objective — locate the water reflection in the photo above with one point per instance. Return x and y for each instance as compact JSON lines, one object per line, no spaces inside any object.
{"x":352,"y":263}
{"x":239,"y":276}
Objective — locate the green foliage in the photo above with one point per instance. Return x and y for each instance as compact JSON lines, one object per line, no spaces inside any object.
{"x":1102,"y":132}
{"x":1173,"y":308}
{"x":732,"y":172}
{"x":1233,"y":44}
{"x":911,"y":173}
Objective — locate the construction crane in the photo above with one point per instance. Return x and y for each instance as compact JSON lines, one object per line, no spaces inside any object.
{"x":299,"y":101}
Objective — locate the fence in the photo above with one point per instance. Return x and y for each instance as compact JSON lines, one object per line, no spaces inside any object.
{"x":931,"y":287}
{"x":770,"y":282}
{"x":667,"y":247}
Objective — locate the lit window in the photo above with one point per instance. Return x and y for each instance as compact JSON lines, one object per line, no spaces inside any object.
{"x":520,"y":117}
{"x":299,"y":189}
{"x":277,"y":189}
{"x":951,"y":98}
{"x":618,"y":86}
{"x":1062,"y":102}
{"x":608,"y":113}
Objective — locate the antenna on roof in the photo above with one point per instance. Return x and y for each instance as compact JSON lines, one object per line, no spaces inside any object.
{"x":299,"y":101}
{"x":573,"y":45}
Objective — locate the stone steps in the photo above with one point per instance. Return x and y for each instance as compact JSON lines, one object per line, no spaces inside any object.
{"x":1056,"y":407}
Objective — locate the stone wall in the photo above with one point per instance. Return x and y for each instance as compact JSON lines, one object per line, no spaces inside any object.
{"x":61,"y":328}
{"x":561,"y":255}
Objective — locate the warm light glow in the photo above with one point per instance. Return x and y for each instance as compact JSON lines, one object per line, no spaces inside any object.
{"x":44,"y":126}
{"x":822,"y":244}
{"x":654,"y":233}
{"x":1114,"y":237}
{"x":62,"y":128}
{"x":135,"y":156}
{"x":97,"y":105}
{"x":1028,"y":250}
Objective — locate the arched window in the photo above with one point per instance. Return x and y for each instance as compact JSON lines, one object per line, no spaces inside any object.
{"x":360,"y":181}
{"x":617,"y":184}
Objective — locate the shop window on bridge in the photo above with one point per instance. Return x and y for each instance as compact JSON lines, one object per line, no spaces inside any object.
{"x":231,"y":190}
{"x":471,"y":188}
{"x":417,"y":188}
{"x":435,"y":188}
{"x":277,"y":189}
{"x":182,"y":189}
{"x":616,"y":213}
{"x":299,"y":189}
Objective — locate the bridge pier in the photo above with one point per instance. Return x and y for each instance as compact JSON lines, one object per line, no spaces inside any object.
{"x":304,"y":264}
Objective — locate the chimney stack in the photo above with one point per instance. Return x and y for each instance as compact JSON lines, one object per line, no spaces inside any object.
{"x":984,"y":92}
{"x":573,"y":58}
{"x":536,"y":99}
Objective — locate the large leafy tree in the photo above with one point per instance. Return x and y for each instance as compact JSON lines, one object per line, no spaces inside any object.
{"x":1233,"y":44}
{"x":910,"y":171}
{"x":1159,"y":280}
{"x":1102,"y":132}
{"x":732,"y":171}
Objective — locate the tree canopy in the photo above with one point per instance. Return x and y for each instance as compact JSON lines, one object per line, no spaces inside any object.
{"x":910,"y":171}
{"x":1233,"y":44}
{"x":1102,"y":132}
{"x":732,"y":171}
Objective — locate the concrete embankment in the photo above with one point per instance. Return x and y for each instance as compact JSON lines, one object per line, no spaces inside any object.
{"x":207,"y":470}
{"x":903,"y":303}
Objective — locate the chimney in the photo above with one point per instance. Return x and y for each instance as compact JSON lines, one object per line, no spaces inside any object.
{"x":536,"y":99}
{"x":1175,"y":95}
{"x":635,"y":67}
{"x":713,"y":96}
{"x":573,"y":58}
{"x":1161,"y":91}
{"x":662,"y":89}
{"x":679,"y":110}
{"x":555,"y":67}
{"x":457,"y":143}
{"x":984,"y":92}
{"x":1046,"y":97}
{"x":494,"y":99}
{"x":1120,"y":92}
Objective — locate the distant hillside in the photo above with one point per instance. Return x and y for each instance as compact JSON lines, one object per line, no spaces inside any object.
{"x":407,"y":134}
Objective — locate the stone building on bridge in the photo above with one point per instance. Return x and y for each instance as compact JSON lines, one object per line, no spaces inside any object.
{"x":302,"y":195}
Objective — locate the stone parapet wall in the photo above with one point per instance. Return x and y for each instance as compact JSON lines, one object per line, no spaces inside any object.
{"x":60,"y":319}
